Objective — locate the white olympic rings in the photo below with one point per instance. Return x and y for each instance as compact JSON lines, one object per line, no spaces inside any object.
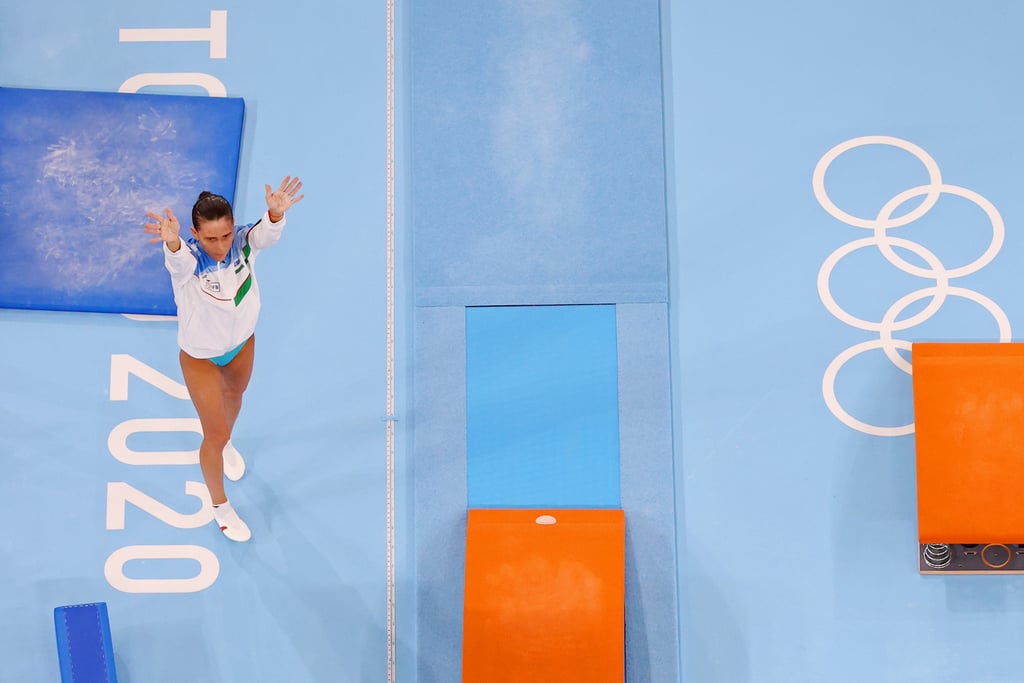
{"x":936,"y":271}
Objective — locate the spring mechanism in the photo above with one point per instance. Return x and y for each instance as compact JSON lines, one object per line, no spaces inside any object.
{"x":937,"y":555}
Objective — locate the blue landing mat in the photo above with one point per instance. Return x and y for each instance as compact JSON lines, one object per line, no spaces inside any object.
{"x":79,"y":171}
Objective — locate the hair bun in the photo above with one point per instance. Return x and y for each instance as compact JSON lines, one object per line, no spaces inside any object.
{"x":210,"y":207}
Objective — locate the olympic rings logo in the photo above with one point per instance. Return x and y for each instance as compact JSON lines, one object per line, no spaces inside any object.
{"x":884,"y":242}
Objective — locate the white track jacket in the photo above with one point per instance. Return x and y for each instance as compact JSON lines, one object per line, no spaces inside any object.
{"x":219,"y":302}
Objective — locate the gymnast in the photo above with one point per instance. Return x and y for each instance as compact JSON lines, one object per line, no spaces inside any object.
{"x":218,"y":303}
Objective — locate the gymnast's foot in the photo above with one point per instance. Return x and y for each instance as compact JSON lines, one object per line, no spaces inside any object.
{"x":234,"y":466}
{"x":230,"y":523}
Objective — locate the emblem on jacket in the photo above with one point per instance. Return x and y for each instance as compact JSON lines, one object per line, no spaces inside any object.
{"x":211,"y":284}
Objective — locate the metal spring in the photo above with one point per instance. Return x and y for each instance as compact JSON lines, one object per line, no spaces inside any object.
{"x":938,"y":555}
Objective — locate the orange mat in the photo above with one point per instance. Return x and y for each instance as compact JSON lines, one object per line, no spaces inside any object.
{"x":969,"y":424}
{"x":544,"y":601}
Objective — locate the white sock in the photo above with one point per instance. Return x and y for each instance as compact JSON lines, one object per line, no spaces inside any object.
{"x":230,"y":523}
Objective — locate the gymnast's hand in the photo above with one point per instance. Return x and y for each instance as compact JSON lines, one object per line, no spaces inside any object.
{"x":167,"y":229}
{"x":283,"y":198}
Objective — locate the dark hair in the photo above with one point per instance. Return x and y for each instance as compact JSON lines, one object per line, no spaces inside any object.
{"x":210,"y":207}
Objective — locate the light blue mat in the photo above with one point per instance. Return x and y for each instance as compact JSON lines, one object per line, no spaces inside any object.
{"x":542,"y":408}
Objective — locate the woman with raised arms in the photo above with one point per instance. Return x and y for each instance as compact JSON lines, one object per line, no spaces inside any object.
{"x":218,"y":302}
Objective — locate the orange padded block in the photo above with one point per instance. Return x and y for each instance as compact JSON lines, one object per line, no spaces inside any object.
{"x":544,"y":602}
{"x":969,"y":422}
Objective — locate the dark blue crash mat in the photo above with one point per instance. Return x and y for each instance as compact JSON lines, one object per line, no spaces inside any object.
{"x":84,"y":646}
{"x":79,"y":171}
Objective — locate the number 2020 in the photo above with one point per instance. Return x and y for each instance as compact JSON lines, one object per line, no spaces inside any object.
{"x":120,"y":494}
